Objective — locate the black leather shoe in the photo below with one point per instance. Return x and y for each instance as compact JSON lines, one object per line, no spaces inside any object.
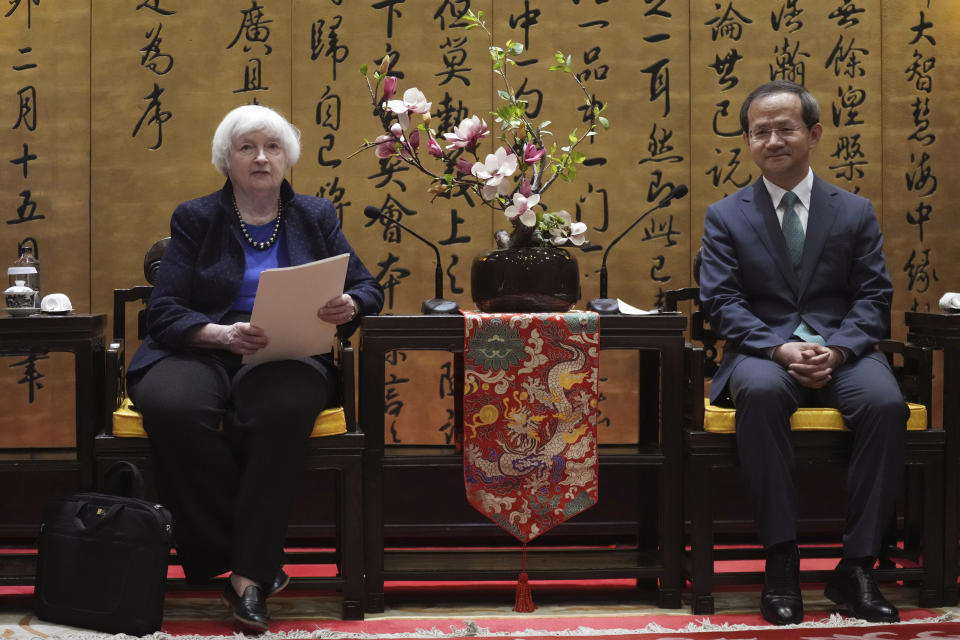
{"x":852,"y":585}
{"x":280,"y":582}
{"x":780,"y":601}
{"x":250,"y":609}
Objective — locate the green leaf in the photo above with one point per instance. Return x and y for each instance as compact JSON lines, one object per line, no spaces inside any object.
{"x":577,"y":158}
{"x":504,"y":113}
{"x":504,"y":95}
{"x":603,"y":122}
{"x":363,"y":69}
{"x":516,"y":48}
{"x":572,"y":138}
{"x":571,"y":173}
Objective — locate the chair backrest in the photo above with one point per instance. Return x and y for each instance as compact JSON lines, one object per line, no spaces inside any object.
{"x":700,"y":330}
{"x":151,"y":267}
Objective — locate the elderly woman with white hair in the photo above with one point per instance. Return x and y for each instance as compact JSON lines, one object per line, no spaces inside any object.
{"x":229,"y":440}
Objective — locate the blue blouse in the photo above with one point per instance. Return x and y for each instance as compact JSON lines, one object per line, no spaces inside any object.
{"x":257,"y":260}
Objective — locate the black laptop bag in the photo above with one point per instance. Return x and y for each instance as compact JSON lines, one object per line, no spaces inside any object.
{"x":103,"y":560}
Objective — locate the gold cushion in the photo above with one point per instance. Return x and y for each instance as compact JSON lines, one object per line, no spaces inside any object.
{"x":128,"y":423}
{"x":721,"y":419}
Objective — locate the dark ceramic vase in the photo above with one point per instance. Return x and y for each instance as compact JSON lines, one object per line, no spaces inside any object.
{"x":525,"y":279}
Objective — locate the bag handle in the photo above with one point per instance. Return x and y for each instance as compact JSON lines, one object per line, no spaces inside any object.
{"x":134,"y":486}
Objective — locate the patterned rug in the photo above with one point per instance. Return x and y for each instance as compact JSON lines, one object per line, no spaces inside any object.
{"x":421,"y":614}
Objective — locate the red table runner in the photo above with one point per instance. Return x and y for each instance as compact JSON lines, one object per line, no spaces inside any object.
{"x":530,"y":417}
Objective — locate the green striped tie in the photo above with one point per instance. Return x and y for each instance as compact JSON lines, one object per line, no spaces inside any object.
{"x":794,"y":236}
{"x":792,"y":230}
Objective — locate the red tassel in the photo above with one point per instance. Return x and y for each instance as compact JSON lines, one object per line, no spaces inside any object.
{"x":523,"y":601}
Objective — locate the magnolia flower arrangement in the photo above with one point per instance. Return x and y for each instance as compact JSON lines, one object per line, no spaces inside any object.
{"x":515,"y":176}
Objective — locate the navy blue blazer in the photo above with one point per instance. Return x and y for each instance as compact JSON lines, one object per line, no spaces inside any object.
{"x":202,"y":268}
{"x":752,"y":296}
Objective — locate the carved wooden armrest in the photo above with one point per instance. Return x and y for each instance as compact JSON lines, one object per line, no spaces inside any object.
{"x":672,"y":297}
{"x":913,"y":367}
{"x":115,"y":385}
{"x":347,"y":362}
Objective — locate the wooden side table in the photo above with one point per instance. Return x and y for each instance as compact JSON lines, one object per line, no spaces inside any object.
{"x":81,"y":334}
{"x":660,"y":340}
{"x":942,"y":331}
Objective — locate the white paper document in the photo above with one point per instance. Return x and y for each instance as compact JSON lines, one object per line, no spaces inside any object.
{"x":630,"y":310}
{"x":286,"y":308}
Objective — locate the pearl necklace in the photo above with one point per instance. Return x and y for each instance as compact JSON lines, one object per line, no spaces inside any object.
{"x":273,"y":236}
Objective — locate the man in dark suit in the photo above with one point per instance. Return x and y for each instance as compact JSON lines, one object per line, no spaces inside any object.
{"x":794,"y":279}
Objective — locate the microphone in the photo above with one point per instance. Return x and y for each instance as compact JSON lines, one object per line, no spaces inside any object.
{"x":606,"y":305}
{"x":436,"y":304}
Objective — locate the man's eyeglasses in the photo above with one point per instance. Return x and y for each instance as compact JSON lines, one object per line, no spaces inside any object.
{"x":784,"y":133}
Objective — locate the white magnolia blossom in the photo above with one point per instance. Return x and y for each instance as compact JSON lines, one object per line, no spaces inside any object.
{"x":522,"y":208}
{"x":495,"y":167}
{"x":413,"y":102}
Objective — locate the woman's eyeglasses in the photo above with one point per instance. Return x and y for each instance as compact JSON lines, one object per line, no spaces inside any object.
{"x":251,"y":150}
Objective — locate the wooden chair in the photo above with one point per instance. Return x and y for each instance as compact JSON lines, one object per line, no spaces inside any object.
{"x":915,"y":548}
{"x":336,"y":444}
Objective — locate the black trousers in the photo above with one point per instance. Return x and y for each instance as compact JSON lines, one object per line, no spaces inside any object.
{"x":230,"y":489}
{"x":867,"y":396}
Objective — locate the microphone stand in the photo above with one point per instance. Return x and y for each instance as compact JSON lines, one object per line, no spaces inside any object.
{"x":436,"y":305}
{"x":610,"y":306}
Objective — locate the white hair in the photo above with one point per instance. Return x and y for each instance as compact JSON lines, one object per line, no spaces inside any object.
{"x":248,"y":118}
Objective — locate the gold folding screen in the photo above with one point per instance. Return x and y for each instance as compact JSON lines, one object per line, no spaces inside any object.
{"x":108,"y":108}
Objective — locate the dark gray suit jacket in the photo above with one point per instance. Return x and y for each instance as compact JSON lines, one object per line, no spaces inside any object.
{"x":755,"y":300}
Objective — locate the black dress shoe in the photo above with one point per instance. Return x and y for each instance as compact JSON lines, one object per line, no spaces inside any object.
{"x":852,"y":585}
{"x":780,"y":601}
{"x":280,"y":582}
{"x":250,"y":609}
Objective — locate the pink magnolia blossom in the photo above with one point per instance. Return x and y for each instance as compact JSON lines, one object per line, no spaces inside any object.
{"x":389,"y":87}
{"x":495,"y":167}
{"x":397,"y":136}
{"x":467,"y":134}
{"x":386,"y":146}
{"x":522,"y":208}
{"x":525,"y":188}
{"x":531,"y":153}
{"x":415,"y":139}
{"x":434,"y":148}
{"x":413,"y":102}
{"x":464,"y":165}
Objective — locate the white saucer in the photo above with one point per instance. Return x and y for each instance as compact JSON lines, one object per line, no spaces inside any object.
{"x":22,"y":311}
